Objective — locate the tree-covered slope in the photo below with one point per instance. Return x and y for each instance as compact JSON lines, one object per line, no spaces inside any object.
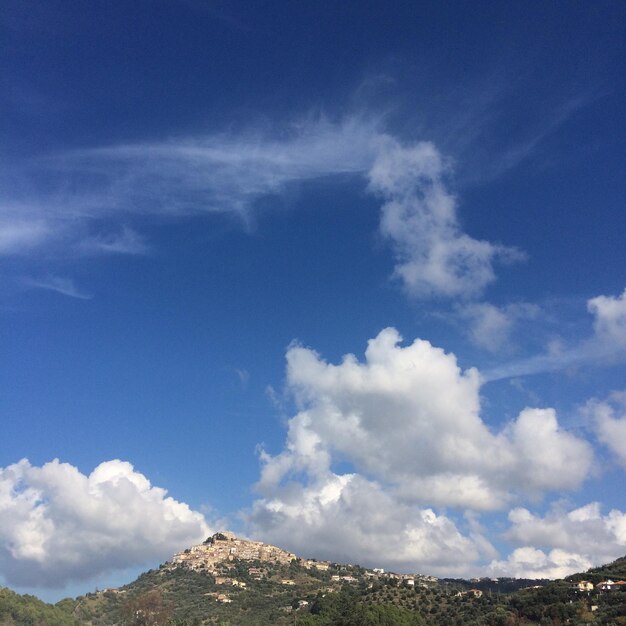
{"x":26,"y":610}
{"x":254,"y":593}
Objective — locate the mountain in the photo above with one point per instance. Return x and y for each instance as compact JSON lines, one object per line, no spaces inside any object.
{"x":238,"y":582}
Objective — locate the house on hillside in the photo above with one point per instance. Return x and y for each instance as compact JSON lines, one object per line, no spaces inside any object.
{"x":609,"y":585}
{"x":255,"y":572}
{"x":583,"y":585}
{"x":605,"y":585}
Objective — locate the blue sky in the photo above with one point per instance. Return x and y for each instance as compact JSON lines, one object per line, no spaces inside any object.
{"x":204,"y":206}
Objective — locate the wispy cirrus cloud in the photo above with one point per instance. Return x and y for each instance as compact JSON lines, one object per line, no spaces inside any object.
{"x":19,"y":235}
{"x":59,"y":284}
{"x":607,"y":344}
{"x":229,"y":173}
{"x":222,"y":172}
{"x":86,"y":201}
{"x":490,"y":327}
{"x":124,"y":241}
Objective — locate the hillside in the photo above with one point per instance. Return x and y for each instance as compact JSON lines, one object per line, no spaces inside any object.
{"x":615,"y":571}
{"x":31,"y":611}
{"x":237,"y":582}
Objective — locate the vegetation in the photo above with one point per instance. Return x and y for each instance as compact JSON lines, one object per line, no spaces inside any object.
{"x":234,"y":597}
{"x":17,"y":610}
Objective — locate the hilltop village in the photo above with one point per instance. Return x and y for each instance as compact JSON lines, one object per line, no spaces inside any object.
{"x":221,"y":551}
{"x":223,"y":547}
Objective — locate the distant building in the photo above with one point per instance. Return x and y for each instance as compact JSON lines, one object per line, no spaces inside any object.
{"x":607,"y":585}
{"x":223,"y":598}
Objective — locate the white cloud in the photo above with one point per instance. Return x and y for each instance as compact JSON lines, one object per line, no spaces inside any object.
{"x":126,"y":241}
{"x":410,"y":417}
{"x":59,"y":525}
{"x":609,"y":425}
{"x":19,"y":235}
{"x":529,"y":562}
{"x":606,"y":345}
{"x":228,"y":173}
{"x":350,"y":519}
{"x":435,"y":258}
{"x":547,"y":457}
{"x":224,"y":173}
{"x":610,"y":318}
{"x":490,"y":327}
{"x":59,"y":284}
{"x":407,"y":420}
{"x":574,"y":540}
{"x":92,"y":193}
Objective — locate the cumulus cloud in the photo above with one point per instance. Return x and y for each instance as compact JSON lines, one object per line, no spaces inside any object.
{"x":547,"y":457}
{"x":407,"y":421}
{"x":410,"y":417}
{"x":435,"y":258}
{"x":573,"y":541}
{"x":529,"y":562}
{"x":610,"y":318}
{"x":609,"y":422}
{"x":584,"y":530}
{"x":349,"y":518}
{"x":58,"y":525}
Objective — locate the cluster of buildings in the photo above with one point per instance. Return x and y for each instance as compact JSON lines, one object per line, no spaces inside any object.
{"x":604,"y":586}
{"x":225,"y":546}
{"x":475,"y":593}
